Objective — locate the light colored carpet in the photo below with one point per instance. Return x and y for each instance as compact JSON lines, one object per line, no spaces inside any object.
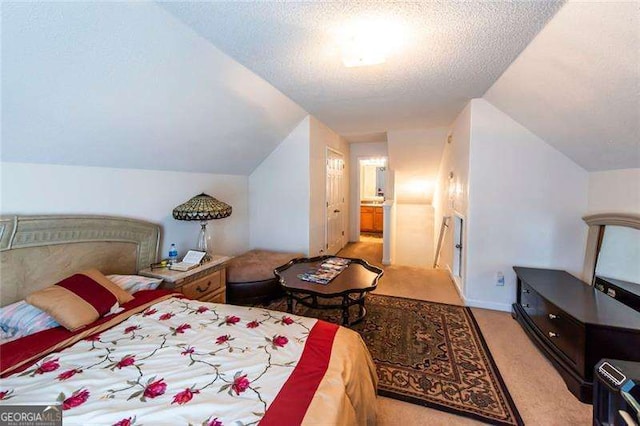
{"x":536,"y":388}
{"x":406,"y":281}
{"x":371,"y":238}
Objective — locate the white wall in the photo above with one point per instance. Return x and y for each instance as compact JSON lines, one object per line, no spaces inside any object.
{"x":128,"y":85}
{"x":576,"y":84}
{"x":526,"y":201}
{"x":614,"y":191}
{"x":29,"y":189}
{"x":287,"y":191}
{"x":279,"y":195}
{"x":321,"y":138}
{"x":360,"y":150}
{"x":414,"y":157}
{"x":455,"y":159}
{"x":413,"y":235}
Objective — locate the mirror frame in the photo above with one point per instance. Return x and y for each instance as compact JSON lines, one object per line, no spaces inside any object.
{"x":597,"y":223}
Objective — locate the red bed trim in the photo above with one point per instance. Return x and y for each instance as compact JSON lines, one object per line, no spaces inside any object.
{"x":14,"y":352}
{"x":293,"y":400}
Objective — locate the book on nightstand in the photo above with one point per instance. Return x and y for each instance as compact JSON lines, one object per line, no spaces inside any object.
{"x":193,"y":259}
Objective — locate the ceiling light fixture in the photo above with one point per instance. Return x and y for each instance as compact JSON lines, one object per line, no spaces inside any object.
{"x":368,"y":41}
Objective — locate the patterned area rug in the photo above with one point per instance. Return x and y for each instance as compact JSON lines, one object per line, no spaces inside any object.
{"x":430,"y":354}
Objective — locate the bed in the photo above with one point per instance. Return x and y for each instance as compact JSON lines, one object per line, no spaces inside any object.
{"x":165,"y":359}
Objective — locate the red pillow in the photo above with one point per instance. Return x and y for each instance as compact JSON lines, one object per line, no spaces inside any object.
{"x":79,"y":299}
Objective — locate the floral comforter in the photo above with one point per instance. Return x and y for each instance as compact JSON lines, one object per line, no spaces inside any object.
{"x":188,"y":362}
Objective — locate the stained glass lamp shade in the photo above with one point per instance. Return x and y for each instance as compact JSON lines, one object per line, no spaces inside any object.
{"x":202,"y":208}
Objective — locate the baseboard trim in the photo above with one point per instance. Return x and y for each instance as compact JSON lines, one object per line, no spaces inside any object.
{"x":455,"y":283}
{"x":474,"y":303}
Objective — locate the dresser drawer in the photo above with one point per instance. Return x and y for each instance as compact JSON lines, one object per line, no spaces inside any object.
{"x":202,"y":287}
{"x":528,"y":300}
{"x":559,"y":329}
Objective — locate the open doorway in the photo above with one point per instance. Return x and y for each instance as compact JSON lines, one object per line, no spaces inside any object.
{"x":372,"y":179}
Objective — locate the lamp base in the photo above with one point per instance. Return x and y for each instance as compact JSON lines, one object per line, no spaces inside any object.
{"x":203,"y":238}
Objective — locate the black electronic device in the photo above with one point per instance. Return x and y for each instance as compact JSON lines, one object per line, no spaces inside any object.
{"x":616,"y":393}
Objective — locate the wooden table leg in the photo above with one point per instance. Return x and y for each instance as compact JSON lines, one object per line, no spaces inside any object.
{"x":289,"y":304}
{"x":345,"y":310}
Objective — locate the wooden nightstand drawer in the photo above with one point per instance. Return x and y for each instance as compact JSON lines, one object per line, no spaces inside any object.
{"x":207,"y":282}
{"x":199,"y":288}
{"x":218,"y":297}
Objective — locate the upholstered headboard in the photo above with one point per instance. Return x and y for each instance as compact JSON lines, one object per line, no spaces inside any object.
{"x":37,"y":251}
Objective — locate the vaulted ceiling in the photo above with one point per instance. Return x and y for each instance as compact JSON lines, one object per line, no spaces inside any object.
{"x":126,"y":84}
{"x":577,"y":85}
{"x":453,"y":51}
{"x":216,"y":86}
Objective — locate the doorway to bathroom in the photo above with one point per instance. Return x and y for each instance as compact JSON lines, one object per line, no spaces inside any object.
{"x":372,"y":177}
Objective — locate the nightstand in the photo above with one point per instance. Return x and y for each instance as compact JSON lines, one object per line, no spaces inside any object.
{"x":207,"y":283}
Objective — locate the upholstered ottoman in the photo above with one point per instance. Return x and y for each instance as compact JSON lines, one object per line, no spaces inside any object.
{"x":250,"y":277}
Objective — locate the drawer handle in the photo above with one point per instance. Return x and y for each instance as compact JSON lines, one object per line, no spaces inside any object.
{"x":553,"y":316}
{"x":202,"y":290}
{"x":525,"y":291}
{"x":552,"y":334}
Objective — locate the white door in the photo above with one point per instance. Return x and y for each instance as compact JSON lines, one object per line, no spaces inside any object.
{"x":335,"y":202}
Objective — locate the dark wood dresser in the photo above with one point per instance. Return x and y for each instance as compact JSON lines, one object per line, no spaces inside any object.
{"x":574,"y":325}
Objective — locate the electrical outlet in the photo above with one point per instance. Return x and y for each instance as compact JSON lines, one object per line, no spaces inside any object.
{"x":500,"y":279}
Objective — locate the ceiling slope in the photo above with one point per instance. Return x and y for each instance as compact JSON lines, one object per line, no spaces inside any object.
{"x":454,"y":52}
{"x":128,"y":85}
{"x":577,"y":85}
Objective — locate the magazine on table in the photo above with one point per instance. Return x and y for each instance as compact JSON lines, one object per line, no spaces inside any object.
{"x":326,"y":272}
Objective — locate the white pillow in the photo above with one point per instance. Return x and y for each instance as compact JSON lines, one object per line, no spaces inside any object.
{"x":133,"y":283}
{"x":7,"y":334}
{"x":22,"y":319}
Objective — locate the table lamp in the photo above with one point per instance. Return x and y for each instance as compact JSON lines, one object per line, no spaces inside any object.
{"x":202,"y":208}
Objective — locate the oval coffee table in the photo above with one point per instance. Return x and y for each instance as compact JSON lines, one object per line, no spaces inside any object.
{"x":352,"y":285}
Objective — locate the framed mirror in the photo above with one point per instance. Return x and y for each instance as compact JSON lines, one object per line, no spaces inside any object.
{"x":612,"y":259}
{"x":372,"y":182}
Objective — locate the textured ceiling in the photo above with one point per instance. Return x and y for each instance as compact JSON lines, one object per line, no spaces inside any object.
{"x":128,"y":85}
{"x":577,"y":85}
{"x":454,"y":52}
